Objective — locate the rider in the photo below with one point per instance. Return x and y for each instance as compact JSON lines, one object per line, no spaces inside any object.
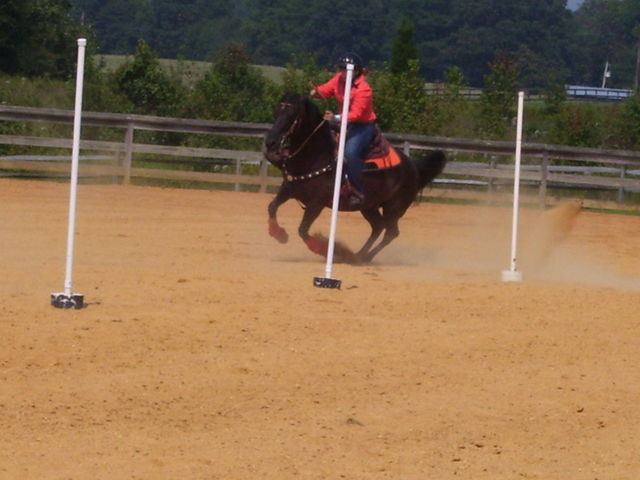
{"x":361,"y":120}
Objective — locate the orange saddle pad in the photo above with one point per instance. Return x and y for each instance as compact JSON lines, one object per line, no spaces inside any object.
{"x":391,"y":159}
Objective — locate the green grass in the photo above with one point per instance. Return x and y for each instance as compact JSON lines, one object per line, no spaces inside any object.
{"x":633,"y":213}
{"x":191,"y":70}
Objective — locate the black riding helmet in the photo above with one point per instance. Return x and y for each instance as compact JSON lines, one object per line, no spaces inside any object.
{"x":352,"y":58}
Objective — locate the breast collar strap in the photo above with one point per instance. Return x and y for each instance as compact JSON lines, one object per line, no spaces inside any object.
{"x":307,"y":176}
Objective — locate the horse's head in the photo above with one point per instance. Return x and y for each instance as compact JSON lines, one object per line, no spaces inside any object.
{"x":294,"y":118}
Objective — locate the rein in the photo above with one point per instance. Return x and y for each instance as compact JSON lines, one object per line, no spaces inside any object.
{"x":293,"y":178}
{"x":295,"y":124}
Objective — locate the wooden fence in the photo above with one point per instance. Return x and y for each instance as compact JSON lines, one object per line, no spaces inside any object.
{"x":473,"y":163}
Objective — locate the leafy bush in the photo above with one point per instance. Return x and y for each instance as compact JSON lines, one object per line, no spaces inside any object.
{"x":233,"y":90}
{"x":627,"y":124}
{"x":36,"y":92}
{"x":497,"y":106}
{"x":451,"y":111}
{"x":149,"y":88}
{"x":580,"y":125}
{"x":401,"y":100}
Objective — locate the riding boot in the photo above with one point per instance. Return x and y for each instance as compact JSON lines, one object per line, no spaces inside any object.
{"x":354,"y":173}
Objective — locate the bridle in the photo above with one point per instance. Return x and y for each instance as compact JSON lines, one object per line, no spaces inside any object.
{"x":294,"y":125}
{"x":289,"y":156}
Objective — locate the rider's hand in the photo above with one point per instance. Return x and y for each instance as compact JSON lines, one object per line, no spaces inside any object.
{"x":314,"y":90}
{"x":329,"y":116}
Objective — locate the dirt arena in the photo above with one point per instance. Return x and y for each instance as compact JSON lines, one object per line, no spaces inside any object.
{"x":204,"y":351}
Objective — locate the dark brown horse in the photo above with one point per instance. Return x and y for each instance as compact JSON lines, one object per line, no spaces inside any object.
{"x":301,"y":144}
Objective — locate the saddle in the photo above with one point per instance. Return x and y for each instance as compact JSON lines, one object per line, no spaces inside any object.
{"x":379,"y":153}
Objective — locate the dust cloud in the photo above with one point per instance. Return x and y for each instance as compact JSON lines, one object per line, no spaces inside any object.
{"x":478,"y":243}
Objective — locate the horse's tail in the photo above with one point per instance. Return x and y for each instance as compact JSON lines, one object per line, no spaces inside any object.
{"x":429,"y":167}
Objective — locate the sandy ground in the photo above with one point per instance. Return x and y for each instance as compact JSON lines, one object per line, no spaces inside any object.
{"x":205,"y":352}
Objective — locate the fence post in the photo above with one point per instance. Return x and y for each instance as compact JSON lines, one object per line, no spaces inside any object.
{"x":264,"y":170}
{"x":128,"y":154}
{"x":406,"y":148}
{"x":236,"y":187}
{"x":544,"y":172}
{"x":623,"y":174}
{"x":492,"y":165}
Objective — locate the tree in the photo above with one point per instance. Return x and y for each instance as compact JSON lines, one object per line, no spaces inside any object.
{"x":234,"y":90}
{"x":37,"y":37}
{"x":605,"y":30}
{"x":326,"y":28}
{"x":404,"y":49}
{"x":401,"y":100}
{"x":476,"y":29}
{"x":446,"y":33}
{"x":451,"y":107}
{"x":498,"y":99}
{"x":301,"y":71}
{"x":121,"y":23}
{"x":147,"y":86}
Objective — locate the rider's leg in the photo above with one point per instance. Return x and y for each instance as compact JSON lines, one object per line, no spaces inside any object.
{"x":359,"y":135}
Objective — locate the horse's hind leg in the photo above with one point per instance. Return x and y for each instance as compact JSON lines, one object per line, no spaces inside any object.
{"x":275,"y":230}
{"x":376,"y":221}
{"x":391,"y":231}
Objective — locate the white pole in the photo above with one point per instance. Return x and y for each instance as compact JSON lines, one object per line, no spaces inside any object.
{"x":606,"y":74}
{"x":75,"y":154}
{"x":328,"y":281}
{"x":68,"y":300}
{"x":512,"y":275}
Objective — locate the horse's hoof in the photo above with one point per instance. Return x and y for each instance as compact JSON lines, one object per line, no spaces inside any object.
{"x":362,"y":258}
{"x":277,"y":232}
{"x":317,"y":245}
{"x":280,"y":235}
{"x":344,"y":254}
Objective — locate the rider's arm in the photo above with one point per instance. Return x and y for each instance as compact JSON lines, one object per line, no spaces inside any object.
{"x":361,"y":105}
{"x":329,"y":89}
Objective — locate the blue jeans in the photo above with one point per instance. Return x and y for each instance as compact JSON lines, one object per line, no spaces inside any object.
{"x":359,"y":135}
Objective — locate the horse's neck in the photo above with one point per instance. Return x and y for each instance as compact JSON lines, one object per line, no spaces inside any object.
{"x":315,"y":148}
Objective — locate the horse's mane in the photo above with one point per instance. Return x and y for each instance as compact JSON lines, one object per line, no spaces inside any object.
{"x":312,"y":130}
{"x":311,"y":110}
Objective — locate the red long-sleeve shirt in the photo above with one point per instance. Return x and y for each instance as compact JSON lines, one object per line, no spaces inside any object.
{"x":360,"y":101}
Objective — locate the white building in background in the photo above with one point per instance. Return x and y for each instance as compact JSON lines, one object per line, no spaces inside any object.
{"x":597,"y":93}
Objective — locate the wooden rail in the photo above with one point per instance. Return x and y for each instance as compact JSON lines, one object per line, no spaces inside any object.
{"x":538,"y":159}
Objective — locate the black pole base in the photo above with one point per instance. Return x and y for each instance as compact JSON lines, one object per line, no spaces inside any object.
{"x":62,"y":300}
{"x":322,"y":282}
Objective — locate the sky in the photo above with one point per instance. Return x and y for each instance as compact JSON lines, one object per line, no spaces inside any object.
{"x":573,"y":4}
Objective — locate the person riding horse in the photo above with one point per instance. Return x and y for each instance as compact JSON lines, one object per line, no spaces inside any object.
{"x":361,"y":119}
{"x":301,"y":145}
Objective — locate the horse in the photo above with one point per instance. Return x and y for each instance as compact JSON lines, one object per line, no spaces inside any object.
{"x":302,"y":145}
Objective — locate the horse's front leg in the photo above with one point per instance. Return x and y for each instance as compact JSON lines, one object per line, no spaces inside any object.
{"x":316,"y":245}
{"x":275,"y":230}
